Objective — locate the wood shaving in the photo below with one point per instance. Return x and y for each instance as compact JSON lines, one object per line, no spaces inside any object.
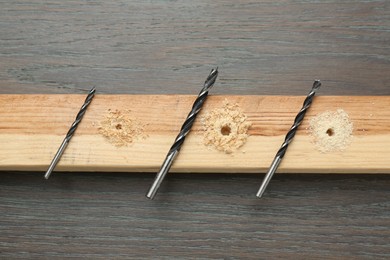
{"x":331,"y":131}
{"x":225,"y":128}
{"x":120,"y":129}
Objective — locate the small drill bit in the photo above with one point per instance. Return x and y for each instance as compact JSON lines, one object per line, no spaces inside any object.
{"x":71,"y":131}
{"x":290,"y":135}
{"x":183,"y":132}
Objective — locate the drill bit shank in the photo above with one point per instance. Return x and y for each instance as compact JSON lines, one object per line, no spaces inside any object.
{"x":198,"y":103}
{"x":71,"y":131}
{"x":290,"y":135}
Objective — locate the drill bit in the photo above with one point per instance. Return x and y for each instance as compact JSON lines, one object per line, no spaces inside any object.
{"x":183,"y":132}
{"x":71,"y":131}
{"x":290,"y":135}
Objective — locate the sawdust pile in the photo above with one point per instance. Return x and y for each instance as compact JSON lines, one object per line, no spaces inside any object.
{"x":331,"y":131}
{"x":120,"y":128}
{"x":225,"y":128}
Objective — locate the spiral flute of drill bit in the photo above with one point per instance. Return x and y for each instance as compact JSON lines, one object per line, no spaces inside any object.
{"x":289,"y":137}
{"x":175,"y":148}
{"x":71,"y":131}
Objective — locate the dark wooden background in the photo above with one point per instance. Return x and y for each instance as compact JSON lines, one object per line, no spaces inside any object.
{"x":261,"y":47}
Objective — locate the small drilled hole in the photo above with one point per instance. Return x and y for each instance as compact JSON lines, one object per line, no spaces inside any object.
{"x":330,"y":132}
{"x":225,"y":130}
{"x":118,"y":126}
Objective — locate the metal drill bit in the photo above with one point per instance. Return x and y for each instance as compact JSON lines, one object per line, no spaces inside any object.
{"x":290,"y":135}
{"x":183,"y":132}
{"x":71,"y":131}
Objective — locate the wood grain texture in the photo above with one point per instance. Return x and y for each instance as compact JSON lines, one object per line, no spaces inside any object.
{"x":168,"y":47}
{"x":99,"y":216}
{"x":32,"y":127}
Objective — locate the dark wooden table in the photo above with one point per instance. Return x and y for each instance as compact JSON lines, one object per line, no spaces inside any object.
{"x":261,"y":47}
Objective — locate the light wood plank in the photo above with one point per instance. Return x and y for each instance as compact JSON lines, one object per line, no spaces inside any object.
{"x":33,"y":126}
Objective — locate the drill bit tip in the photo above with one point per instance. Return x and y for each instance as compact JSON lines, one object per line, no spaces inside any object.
{"x":209,"y":82}
{"x":316,"y":85}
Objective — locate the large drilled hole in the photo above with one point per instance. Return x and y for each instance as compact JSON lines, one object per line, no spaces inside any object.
{"x":118,"y":126}
{"x":330,"y":132}
{"x":226,"y":130}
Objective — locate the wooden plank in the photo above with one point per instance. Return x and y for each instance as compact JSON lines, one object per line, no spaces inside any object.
{"x":33,"y":126}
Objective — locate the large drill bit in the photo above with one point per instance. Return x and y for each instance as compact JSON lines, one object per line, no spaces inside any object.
{"x":183,"y":133}
{"x":71,"y":131}
{"x":290,"y":135}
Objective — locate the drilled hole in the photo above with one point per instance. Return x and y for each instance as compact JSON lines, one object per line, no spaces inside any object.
{"x":226,"y":130}
{"x":118,"y":126}
{"x":330,"y":132}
